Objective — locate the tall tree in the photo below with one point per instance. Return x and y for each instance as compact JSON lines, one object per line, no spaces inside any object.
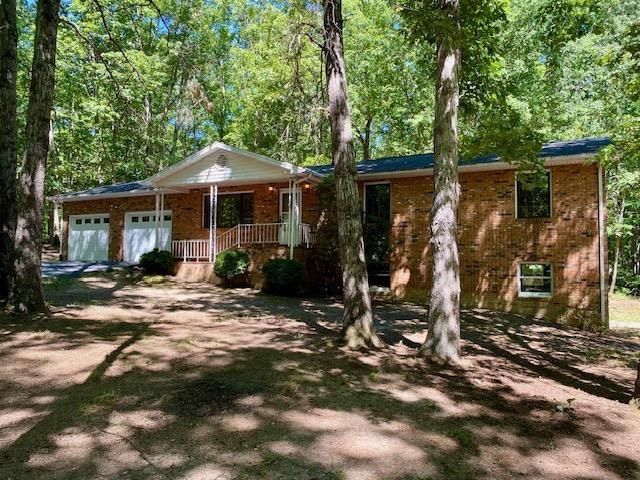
{"x":26,"y":286}
{"x":8,"y":138}
{"x":357,"y":330}
{"x":443,"y":338}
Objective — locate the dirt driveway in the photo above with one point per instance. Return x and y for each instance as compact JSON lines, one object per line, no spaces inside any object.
{"x":132,"y":380}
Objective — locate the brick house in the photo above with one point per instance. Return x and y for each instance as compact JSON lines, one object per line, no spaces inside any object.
{"x":533,"y":248}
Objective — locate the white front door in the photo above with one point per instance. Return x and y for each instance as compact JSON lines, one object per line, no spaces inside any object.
{"x":140,"y":234}
{"x":89,"y":237}
{"x":285,"y":214}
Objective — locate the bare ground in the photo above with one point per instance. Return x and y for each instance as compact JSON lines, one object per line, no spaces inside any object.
{"x":129,"y":380}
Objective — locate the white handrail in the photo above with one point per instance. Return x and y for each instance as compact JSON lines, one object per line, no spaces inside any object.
{"x":241,"y":234}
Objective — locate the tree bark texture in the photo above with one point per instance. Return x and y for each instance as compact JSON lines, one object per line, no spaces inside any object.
{"x":443,"y":339}
{"x":26,"y":287}
{"x":8,"y":135}
{"x":357,"y":329}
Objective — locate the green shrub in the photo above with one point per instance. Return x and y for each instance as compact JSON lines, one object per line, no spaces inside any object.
{"x":157,"y":262}
{"x":232,"y":265}
{"x":283,"y":276}
{"x":628,"y":283}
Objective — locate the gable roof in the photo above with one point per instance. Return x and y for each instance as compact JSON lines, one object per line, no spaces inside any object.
{"x":424,"y":161}
{"x":217,"y":147}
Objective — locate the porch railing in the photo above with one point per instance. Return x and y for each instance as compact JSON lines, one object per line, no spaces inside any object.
{"x":242,"y":234}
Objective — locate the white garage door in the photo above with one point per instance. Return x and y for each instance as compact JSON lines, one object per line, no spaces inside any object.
{"x":89,"y":237}
{"x":140,"y":234}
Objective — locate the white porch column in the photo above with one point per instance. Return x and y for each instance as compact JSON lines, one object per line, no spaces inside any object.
{"x":157,"y":219}
{"x":211,"y":216}
{"x":161,"y":220}
{"x":290,"y":219}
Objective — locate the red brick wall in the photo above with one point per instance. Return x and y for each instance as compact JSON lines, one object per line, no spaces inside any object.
{"x":492,"y":241}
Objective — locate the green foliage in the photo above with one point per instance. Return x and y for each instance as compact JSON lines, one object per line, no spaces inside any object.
{"x":283,"y":276}
{"x":628,"y":282}
{"x":157,"y":262}
{"x":232,"y":264}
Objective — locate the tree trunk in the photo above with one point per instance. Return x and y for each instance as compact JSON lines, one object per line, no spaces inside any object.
{"x":443,"y":339}
{"x":8,"y":132}
{"x":26,"y":288}
{"x":357,"y":326}
{"x":616,"y":257}
{"x":636,"y":390}
{"x":365,"y":139}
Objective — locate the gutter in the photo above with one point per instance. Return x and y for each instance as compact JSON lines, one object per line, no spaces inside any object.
{"x":601,"y":259}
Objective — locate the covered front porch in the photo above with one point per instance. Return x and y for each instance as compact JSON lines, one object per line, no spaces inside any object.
{"x":243,"y":199}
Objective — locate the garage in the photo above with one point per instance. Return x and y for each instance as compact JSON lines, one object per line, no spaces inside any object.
{"x":140,"y":234}
{"x":89,"y":237}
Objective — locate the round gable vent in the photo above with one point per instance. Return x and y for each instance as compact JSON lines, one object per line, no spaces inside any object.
{"x":222,"y":161}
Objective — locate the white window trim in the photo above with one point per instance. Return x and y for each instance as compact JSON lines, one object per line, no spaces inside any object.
{"x":515,"y":194}
{"x":522,"y":294}
{"x":364,"y":195}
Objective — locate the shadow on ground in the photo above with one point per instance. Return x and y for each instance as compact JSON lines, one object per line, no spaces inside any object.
{"x":129,"y":379}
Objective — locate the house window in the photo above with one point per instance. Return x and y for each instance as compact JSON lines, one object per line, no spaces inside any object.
{"x":535,"y":280}
{"x":105,"y":220}
{"x":232,"y":210}
{"x":78,"y":221}
{"x":87,"y":220}
{"x":533,"y":195}
{"x":167,"y":218}
{"x":96,"y":220}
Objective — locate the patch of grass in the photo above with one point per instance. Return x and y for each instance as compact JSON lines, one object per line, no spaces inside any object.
{"x":624,"y":308}
{"x":465,"y":437}
{"x":211,"y":395}
{"x":58,"y":283}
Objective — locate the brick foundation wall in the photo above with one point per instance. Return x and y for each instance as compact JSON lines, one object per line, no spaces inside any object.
{"x":493,"y":241}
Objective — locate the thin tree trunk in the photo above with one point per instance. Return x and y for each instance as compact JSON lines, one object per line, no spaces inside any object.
{"x":365,"y":139}
{"x":616,"y":257}
{"x":357,"y":326}
{"x":26,"y":288}
{"x":8,"y":132}
{"x":443,"y":338}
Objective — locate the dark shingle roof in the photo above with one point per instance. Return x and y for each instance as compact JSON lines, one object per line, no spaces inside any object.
{"x":425,"y":160}
{"x":124,"y":187}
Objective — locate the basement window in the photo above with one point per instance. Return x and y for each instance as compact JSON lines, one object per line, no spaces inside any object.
{"x":535,"y":280}
{"x":533,"y":195}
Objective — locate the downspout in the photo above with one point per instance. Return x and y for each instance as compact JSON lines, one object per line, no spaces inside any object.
{"x":601,"y":236}
{"x":157,"y":219}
